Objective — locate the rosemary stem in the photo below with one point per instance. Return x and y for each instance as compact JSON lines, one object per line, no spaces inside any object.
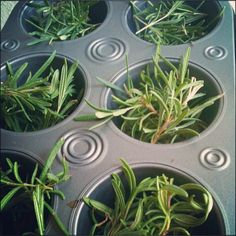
{"x":161,"y":130}
{"x":149,"y":106}
{"x":153,"y":23}
{"x":103,"y":221}
{"x":25,"y":185}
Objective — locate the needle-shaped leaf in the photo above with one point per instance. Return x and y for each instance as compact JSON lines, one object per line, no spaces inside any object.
{"x":138,"y":216}
{"x":96,"y":108}
{"x":18,"y":101}
{"x":110,"y":85}
{"x":175,"y":190}
{"x":10,"y":163}
{"x":7,"y":198}
{"x":120,"y":198}
{"x":52,"y":177}
{"x":187,"y":220}
{"x":44,"y":66}
{"x":58,"y":193}
{"x":17,"y":74}
{"x":34,"y":173}
{"x":53,"y":90}
{"x":184,"y":65}
{"x":162,"y":102}
{"x":10,"y":69}
{"x":88,"y":117}
{"x":57,"y":219}
{"x":98,"y":206}
{"x":192,"y":186}
{"x":122,"y":111}
{"x":101,"y":123}
{"x":199,"y":108}
{"x":50,"y":159}
{"x":180,"y":230}
{"x":65,"y":84}
{"x":65,"y":176}
{"x":36,"y":41}
{"x":129,"y":174}
{"x":16,"y":172}
{"x":37,"y":214}
{"x":102,"y":114}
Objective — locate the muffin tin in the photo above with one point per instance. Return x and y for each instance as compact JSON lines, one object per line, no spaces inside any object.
{"x":93,"y":155}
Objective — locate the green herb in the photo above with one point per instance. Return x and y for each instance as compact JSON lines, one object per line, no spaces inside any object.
{"x":170,"y":22}
{"x":60,"y":20}
{"x":153,"y":206}
{"x":161,"y":106}
{"x":38,"y":189}
{"x":39,"y":101}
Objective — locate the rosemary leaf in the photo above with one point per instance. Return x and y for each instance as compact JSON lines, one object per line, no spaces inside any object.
{"x":98,"y":206}
{"x":44,"y":66}
{"x":8,"y":197}
{"x":88,"y":117}
{"x":37,"y":213}
{"x":16,"y":172}
{"x":51,"y":159}
{"x":57,"y":219}
{"x":101,"y":123}
{"x":109,"y":85}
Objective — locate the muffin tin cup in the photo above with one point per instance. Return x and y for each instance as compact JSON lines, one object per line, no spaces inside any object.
{"x":212,"y":9}
{"x":81,"y":223}
{"x":211,"y":88}
{"x":94,"y":18}
{"x":208,"y":159}
{"x":20,"y":224}
{"x":35,"y":61}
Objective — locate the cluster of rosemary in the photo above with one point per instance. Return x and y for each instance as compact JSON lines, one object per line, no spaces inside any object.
{"x":38,"y":188}
{"x":60,"y":20}
{"x":161,"y":106}
{"x":170,"y":22}
{"x":40,"y":101}
{"x":154,"y":206}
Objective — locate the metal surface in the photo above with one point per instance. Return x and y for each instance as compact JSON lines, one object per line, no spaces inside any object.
{"x":208,"y":159}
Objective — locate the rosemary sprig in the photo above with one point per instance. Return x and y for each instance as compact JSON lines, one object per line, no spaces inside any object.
{"x":162,"y":106}
{"x":153,"y":206}
{"x":60,"y":20}
{"x":41,"y":100}
{"x":170,"y":22}
{"x":38,"y":188}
